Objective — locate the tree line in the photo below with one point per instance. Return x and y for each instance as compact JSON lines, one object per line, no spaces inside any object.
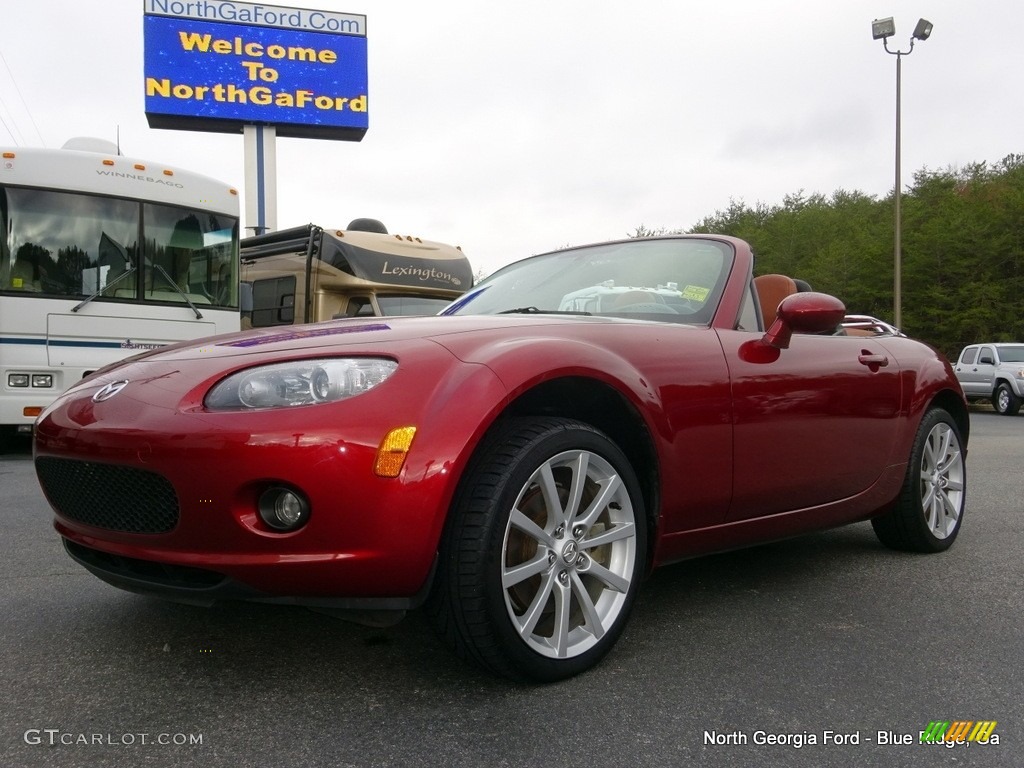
{"x":962,"y":250}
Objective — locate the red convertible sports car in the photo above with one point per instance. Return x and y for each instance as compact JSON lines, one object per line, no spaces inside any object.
{"x":516,"y":464}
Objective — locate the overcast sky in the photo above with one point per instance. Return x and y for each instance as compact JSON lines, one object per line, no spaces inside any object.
{"x":515,"y":128}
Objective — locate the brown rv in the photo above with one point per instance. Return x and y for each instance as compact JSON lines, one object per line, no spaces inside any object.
{"x":307,"y":274}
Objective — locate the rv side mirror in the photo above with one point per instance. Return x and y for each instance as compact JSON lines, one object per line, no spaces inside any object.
{"x":245,"y":298}
{"x":286,"y":312}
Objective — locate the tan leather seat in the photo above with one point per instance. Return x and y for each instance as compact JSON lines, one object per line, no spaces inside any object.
{"x":771,"y":290}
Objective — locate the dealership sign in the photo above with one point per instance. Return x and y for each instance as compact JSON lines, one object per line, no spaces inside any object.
{"x":216,"y":65}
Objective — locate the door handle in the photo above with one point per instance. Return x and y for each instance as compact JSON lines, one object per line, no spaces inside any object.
{"x":873,"y":362}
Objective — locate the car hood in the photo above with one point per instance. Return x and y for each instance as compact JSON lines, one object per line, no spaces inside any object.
{"x":377,"y":332}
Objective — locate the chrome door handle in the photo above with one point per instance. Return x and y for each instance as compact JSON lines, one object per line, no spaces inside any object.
{"x":874,"y":362}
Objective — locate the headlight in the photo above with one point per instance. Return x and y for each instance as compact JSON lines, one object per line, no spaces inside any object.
{"x":300,"y":382}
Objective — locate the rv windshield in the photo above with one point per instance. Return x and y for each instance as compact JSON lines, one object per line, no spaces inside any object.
{"x":391,"y":306}
{"x":64,"y":244}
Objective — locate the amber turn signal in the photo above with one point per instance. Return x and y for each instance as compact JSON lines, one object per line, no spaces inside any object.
{"x":392,"y":451}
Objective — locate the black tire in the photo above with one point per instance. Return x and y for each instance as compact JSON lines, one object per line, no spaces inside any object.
{"x":531,"y":589}
{"x":930,"y":509}
{"x":7,"y":439}
{"x":1005,"y":401}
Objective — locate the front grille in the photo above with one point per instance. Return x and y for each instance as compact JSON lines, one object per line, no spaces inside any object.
{"x":109,"y":496}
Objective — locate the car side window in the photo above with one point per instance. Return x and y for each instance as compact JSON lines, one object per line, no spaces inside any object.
{"x":969,"y":356}
{"x":988,"y":357}
{"x":748,"y":311}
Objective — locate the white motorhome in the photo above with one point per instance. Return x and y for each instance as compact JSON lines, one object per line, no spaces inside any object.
{"x":102,"y":256}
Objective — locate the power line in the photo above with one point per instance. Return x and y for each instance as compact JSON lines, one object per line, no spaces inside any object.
{"x":24,"y":105}
{"x":8,"y":127}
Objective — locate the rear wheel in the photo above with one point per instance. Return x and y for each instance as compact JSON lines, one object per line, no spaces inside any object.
{"x":1005,"y":401}
{"x":545,"y":551}
{"x":930,"y":509}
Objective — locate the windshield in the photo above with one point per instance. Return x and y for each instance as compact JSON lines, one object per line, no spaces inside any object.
{"x":676,"y":280}
{"x":76,"y":245}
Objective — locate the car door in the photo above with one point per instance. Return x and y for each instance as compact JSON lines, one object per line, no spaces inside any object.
{"x":814,"y":425}
{"x":967,"y":372}
{"x":984,"y":371}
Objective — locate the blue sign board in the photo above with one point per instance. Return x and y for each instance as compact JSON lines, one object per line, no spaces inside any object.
{"x":214,"y":75}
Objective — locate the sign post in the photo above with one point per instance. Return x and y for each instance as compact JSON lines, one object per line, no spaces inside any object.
{"x":260,"y":178}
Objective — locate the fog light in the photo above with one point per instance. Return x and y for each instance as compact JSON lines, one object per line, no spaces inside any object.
{"x":43,"y":380}
{"x":17,"y":380}
{"x":283,"y":509}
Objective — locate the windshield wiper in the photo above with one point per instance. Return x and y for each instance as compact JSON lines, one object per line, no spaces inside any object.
{"x":112,"y":283}
{"x":535,"y":311}
{"x":174,"y":285}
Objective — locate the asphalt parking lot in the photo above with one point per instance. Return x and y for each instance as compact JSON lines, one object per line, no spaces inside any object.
{"x":830,"y":644}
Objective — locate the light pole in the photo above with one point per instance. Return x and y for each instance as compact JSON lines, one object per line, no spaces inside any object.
{"x":883,"y":29}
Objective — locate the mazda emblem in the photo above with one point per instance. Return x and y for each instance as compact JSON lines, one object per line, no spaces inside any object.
{"x":107,"y":391}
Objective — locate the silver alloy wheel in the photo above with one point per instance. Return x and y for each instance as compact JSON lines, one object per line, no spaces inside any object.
{"x":569,"y":554}
{"x":942,"y":480}
{"x":1002,"y":399}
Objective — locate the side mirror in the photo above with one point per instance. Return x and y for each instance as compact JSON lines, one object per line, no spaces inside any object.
{"x":804,"y":313}
{"x":245,"y":297}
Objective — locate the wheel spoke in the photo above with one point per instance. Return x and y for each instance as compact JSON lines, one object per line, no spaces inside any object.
{"x":932,"y":517}
{"x":619,"y":532}
{"x":531,"y":529}
{"x":951,"y":509}
{"x":592,"y":619}
{"x":928,"y":497}
{"x":941,"y":436}
{"x":579,"y":481}
{"x":945,"y":438}
{"x":532,"y":615}
{"x":950,"y":462}
{"x":549,"y":489}
{"x":563,"y":605}
{"x":609,"y":487}
{"x":930,"y":458}
{"x":519,"y":573}
{"x":613,"y":580}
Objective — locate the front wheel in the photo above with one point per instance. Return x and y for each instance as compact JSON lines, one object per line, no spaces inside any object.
{"x":544,"y":552}
{"x":1005,"y":400}
{"x":929,"y":511}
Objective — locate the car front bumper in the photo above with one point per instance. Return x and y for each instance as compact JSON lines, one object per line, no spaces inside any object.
{"x":162,"y":496}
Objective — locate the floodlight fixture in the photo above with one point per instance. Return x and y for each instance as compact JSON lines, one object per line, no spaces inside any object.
{"x":923,"y":30}
{"x":883,"y":28}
